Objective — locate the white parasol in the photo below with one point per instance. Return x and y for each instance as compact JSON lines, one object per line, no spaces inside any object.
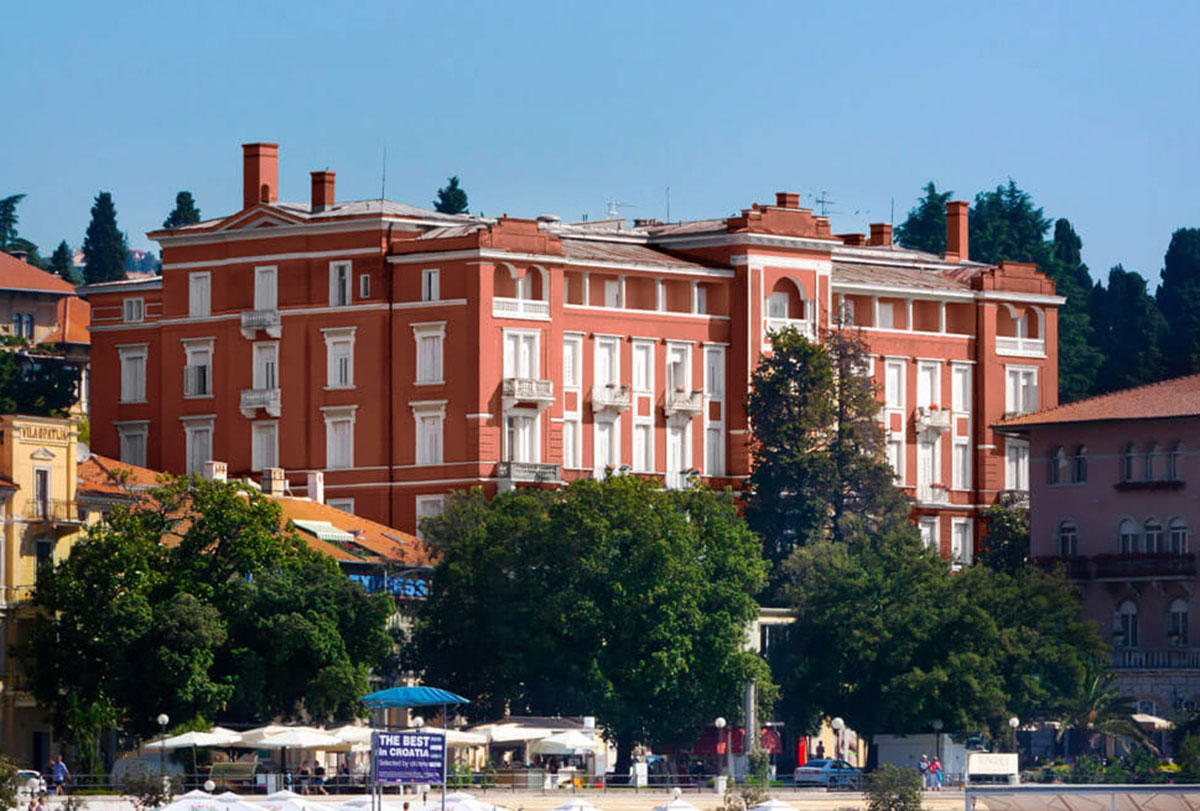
{"x":571,"y":742}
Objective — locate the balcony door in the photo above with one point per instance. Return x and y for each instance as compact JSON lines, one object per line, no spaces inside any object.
{"x":926,"y":467}
{"x":677,"y":460}
{"x":521,"y":354}
{"x":41,"y":491}
{"x":521,"y":438}
{"x":266,"y":366}
{"x":265,"y":289}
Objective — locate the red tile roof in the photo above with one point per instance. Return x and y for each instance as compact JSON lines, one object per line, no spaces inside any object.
{"x":74,"y":318}
{"x":102,"y":477}
{"x":16,"y":274}
{"x":1168,"y":399}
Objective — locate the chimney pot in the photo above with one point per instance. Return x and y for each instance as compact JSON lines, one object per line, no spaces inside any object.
{"x":787,"y":199}
{"x":957,"y":231}
{"x":274,"y":481}
{"x":216,"y":471}
{"x":881,"y":233}
{"x":260,"y":173}
{"x":322,"y":190}
{"x":316,"y":486}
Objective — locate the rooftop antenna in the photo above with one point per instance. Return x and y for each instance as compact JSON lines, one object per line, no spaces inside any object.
{"x":614,"y":208}
{"x":892,"y":218}
{"x":824,"y":202}
{"x":668,"y":203}
{"x":383,"y":177}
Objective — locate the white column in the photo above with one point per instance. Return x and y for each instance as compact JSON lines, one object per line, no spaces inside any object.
{"x":587,"y":289}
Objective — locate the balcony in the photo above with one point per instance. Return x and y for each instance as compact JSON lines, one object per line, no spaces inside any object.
{"x":52,"y":511}
{"x":267,"y":399}
{"x":685,"y":404}
{"x":1157,"y":659}
{"x":267,"y":320}
{"x":933,"y":494}
{"x":526,"y":472}
{"x":1020,"y":347}
{"x":932,"y":418}
{"x":526,"y":391}
{"x":1145,"y":566}
{"x":802,"y":325}
{"x":610,"y":398}
{"x":520,"y":308}
{"x":1077,"y":568}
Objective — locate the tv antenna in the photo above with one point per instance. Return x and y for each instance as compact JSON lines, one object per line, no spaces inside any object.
{"x":824,"y":202}
{"x":614,"y":209}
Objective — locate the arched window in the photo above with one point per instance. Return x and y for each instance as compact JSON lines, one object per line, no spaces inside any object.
{"x":1079,"y":465}
{"x":1125,"y":626}
{"x":1147,"y":706}
{"x":1152,"y":470}
{"x":1174,"y":471}
{"x":1068,"y":539}
{"x":1152,"y":536}
{"x":1177,"y":624}
{"x":29,"y":325}
{"x":1057,"y":464}
{"x":1177,"y":537}
{"x":17,"y":325}
{"x":1129,"y":463}
{"x":1021,"y":326}
{"x":1127,"y":537}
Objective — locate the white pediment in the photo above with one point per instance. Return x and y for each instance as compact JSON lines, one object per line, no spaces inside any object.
{"x":43,"y":455}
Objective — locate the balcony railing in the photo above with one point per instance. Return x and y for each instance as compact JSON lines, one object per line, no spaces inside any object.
{"x":932,"y":418}
{"x":684,"y":403}
{"x":261,"y":319}
{"x":527,"y":471}
{"x":197,"y":380}
{"x":529,"y":390}
{"x":520,"y":308}
{"x":610,"y":397}
{"x":1077,"y":568}
{"x":1156,"y":659}
{"x":1159,"y":566}
{"x":52,"y":510}
{"x":802,"y":325}
{"x":267,"y":399}
{"x":1020,"y":347}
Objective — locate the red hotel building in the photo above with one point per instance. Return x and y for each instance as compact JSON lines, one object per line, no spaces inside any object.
{"x":407,"y":353}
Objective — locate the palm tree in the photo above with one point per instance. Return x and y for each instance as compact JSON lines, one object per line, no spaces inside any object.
{"x":1100,"y":707}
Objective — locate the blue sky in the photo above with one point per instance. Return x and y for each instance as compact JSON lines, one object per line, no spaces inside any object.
{"x":1094,"y":108}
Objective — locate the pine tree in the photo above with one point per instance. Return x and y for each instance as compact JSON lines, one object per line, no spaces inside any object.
{"x":451,"y":199}
{"x":1179,"y":300}
{"x":924,"y":229}
{"x":104,"y":246}
{"x":1079,"y":357}
{"x":8,"y":220}
{"x":61,"y":264}
{"x":184,"y":213}
{"x":1130,"y":331}
{"x":1005,"y":225}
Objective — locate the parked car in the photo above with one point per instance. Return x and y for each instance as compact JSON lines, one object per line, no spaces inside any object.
{"x":827,"y":772}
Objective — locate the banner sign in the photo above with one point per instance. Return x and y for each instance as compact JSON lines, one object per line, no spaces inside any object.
{"x":408,"y":757}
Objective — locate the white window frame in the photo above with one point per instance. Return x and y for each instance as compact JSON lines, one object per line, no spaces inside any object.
{"x":134,"y":310}
{"x":139,"y":429}
{"x":1017,"y":397}
{"x":930,"y":371}
{"x":614,"y":461}
{"x":898,"y":400}
{"x":364,"y":285}
{"x":518,"y":337}
{"x":601,"y":377}
{"x":612,"y":293}
{"x":271,"y":301}
{"x":194,"y":349}
{"x":572,"y":362}
{"x":341,"y":271}
{"x":346,"y":505}
{"x":431,"y":284}
{"x":714,"y":395}
{"x":191,"y":425}
{"x":1016,"y":464}
{"x":335,"y":336}
{"x":257,"y":462}
{"x":334,"y":415}
{"x":133,"y":354}
{"x":644,"y":347}
{"x":432,"y":414}
{"x":930,"y":529}
{"x":200,"y":305}
{"x":427,"y":507}
{"x":960,"y":464}
{"x":260,"y":379}
{"x":429,"y":368}
{"x":958,"y":373}
{"x":962,"y":554}
{"x":572,"y":452}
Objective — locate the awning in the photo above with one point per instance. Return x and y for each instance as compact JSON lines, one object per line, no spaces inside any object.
{"x":325,"y":531}
{"x":412,"y":697}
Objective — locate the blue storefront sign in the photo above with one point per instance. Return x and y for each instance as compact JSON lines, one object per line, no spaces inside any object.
{"x":408,"y":757}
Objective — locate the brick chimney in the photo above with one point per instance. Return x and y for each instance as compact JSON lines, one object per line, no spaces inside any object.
{"x":957,"y":238}
{"x":853,"y":240}
{"x":787,"y":199}
{"x":881,"y":234}
{"x":216,"y":471}
{"x":274,"y":482}
{"x":260,"y":174}
{"x":316,"y":486}
{"x":322,"y":190}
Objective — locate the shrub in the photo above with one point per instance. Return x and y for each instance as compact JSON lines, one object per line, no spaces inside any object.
{"x":889,"y":788}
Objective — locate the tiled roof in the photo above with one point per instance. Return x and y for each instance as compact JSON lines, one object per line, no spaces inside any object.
{"x":352,"y":208}
{"x":102,"y":477}
{"x":1179,"y":397}
{"x":74,"y":318}
{"x":589,"y":250}
{"x":862,"y":273}
{"x":18,"y":275}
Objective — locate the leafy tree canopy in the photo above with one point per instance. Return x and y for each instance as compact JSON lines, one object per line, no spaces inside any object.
{"x":924,"y":229}
{"x":1006,"y":545}
{"x":104,"y":246}
{"x":1005,"y":225}
{"x":38,"y":385}
{"x":615,"y":598}
{"x":184,"y":213}
{"x":1130,"y":331}
{"x":1179,"y":300}
{"x":1079,"y":355}
{"x":62,"y":264}
{"x":195,"y":602}
{"x":451,"y":199}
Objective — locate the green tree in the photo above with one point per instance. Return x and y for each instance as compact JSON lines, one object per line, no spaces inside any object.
{"x":42,"y":385}
{"x":1079,"y":355}
{"x":1006,"y":544}
{"x":451,"y":199}
{"x":1130,"y":330}
{"x":104,"y":246}
{"x":1004,"y":225}
{"x":1179,"y":300}
{"x":889,"y":788}
{"x":611,"y":597}
{"x":9,"y":219}
{"x":184,"y":213}
{"x":61,"y":263}
{"x":195,"y":602}
{"x":1100,"y":707}
{"x":924,"y":229}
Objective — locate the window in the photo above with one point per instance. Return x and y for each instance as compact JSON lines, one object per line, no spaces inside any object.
{"x":612,"y":293}
{"x":1016,"y":458}
{"x":1152,"y":537}
{"x":429,"y":417}
{"x":264,"y":450}
{"x":607,"y":361}
{"x":714,"y":451}
{"x":1177,"y":624}
{"x":961,"y":541}
{"x":198,"y":435}
{"x":929,"y":533}
{"x":520,"y":438}
{"x":339,"y":284}
{"x":29,"y":325}
{"x":961,"y":388}
{"x":643,"y":366}
{"x":133,"y":373}
{"x":714,"y":373}
{"x":16,"y":325}
{"x":346,"y":505}
{"x":132,"y":437}
{"x":893,"y":384}
{"x":1079,"y":465}
{"x":428,"y":507}
{"x":895,"y":457}
{"x":135,"y":310}
{"x":339,"y":437}
{"x":777,"y":305}
{"x":1177,"y":537}
{"x":521,"y":354}
{"x":929,"y":385}
{"x":430,"y":284}
{"x":364,"y":286}
{"x":429,"y":338}
{"x":1127,"y":537}
{"x":1068,"y":539}
{"x":1056,"y":465}
{"x":1174,"y":472}
{"x":701,"y":300}
{"x":572,"y":360}
{"x":1129,"y":463}
{"x":643,"y":448}
{"x":339,"y":351}
{"x":199,"y":295}
{"x":886,"y":315}
{"x":570,"y":443}
{"x":41,"y":491}
{"x":1021,"y":392}
{"x":44,"y":551}
{"x":607,"y":446}
{"x":197,"y":370}
{"x":961,"y":465}
{"x":679,"y":378}
{"x":846,"y":313}
{"x":266,"y":289}
{"x":678,"y":456}
{"x":266,"y":366}
{"x":1150,"y":468}
{"x":1125,"y":626}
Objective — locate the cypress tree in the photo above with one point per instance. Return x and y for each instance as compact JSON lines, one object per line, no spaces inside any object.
{"x":8,"y":220}
{"x":1179,"y":300}
{"x":1130,"y":331}
{"x":184,"y":213}
{"x":924,"y":229}
{"x":61,"y":264}
{"x":451,"y":199}
{"x":1005,"y":225}
{"x":104,"y":246}
{"x":1079,"y":357}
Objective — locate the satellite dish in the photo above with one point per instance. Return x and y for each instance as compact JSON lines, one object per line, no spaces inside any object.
{"x":82,"y":454}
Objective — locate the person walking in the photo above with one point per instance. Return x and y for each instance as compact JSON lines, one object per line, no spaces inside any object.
{"x":61,"y":774}
{"x":935,"y":774}
{"x":923,"y":768}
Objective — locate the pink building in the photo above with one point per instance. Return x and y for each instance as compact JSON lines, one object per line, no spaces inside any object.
{"x":1109,"y":498}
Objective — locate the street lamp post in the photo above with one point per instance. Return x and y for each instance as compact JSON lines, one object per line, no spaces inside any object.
{"x":838,"y":725}
{"x":1013,"y":723}
{"x":937,"y":738}
{"x":163,"y":719}
{"x":720,"y":725}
